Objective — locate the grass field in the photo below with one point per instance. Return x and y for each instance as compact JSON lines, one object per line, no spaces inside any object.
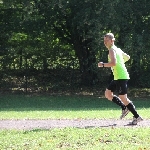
{"x":71,"y":107}
{"x":76,"y":139}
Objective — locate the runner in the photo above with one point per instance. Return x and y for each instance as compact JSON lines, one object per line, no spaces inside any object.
{"x":116,"y":60}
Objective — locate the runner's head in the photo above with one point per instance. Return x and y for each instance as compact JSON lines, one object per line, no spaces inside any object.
{"x":109,"y":39}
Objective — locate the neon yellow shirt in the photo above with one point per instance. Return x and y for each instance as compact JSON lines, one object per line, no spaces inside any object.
{"x":119,"y":70}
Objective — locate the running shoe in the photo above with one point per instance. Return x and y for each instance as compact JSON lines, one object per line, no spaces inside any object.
{"x":124,"y":113}
{"x":136,"y":120}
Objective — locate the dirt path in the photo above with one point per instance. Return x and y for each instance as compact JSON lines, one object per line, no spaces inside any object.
{"x":29,"y":124}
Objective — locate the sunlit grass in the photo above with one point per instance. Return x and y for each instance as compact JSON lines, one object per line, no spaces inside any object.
{"x":75,"y":139}
{"x":70,"y":107}
{"x":64,"y":107}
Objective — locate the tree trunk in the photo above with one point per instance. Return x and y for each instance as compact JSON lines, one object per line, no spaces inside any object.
{"x":87,"y":62}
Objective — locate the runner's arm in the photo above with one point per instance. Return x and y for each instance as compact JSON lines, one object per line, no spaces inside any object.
{"x":112,"y":62}
{"x":126,"y":57}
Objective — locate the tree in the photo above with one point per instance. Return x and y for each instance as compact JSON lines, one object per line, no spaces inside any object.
{"x":76,"y":23}
{"x":51,"y":30}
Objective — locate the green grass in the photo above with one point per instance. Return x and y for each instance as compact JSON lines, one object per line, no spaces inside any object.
{"x":70,"y":107}
{"x":76,"y":139}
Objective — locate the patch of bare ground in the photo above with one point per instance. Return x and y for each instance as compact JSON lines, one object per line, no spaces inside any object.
{"x":29,"y":124}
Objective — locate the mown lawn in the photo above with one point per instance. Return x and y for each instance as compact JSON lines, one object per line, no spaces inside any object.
{"x":60,"y":107}
{"x":70,"y":107}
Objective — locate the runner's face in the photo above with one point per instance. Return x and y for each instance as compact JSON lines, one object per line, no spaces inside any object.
{"x":107,"y":42}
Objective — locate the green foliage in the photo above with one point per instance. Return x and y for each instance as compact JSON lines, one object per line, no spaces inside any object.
{"x":43,"y":34}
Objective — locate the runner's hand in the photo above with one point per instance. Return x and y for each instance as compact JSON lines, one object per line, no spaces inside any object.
{"x":100,"y":64}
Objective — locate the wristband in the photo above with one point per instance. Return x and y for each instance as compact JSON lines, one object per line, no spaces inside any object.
{"x":103,"y":65}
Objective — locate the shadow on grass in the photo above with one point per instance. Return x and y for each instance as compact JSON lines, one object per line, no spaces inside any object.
{"x":73,"y":103}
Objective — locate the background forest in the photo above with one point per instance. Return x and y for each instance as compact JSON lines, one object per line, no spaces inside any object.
{"x":48,"y":45}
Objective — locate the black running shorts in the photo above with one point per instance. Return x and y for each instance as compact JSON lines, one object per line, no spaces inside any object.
{"x":119,"y":85}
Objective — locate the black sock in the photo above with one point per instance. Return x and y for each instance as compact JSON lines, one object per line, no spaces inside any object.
{"x":131,"y":107}
{"x":118,"y":101}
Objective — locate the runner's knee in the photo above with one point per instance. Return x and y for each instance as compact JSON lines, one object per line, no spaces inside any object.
{"x":109,"y":95}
